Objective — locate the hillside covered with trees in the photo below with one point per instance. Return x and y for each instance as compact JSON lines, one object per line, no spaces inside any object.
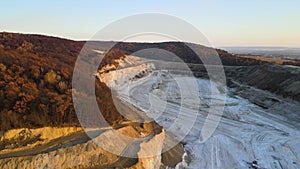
{"x":35,"y":82}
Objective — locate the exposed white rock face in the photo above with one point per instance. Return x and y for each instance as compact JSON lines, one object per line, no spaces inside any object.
{"x":130,"y":69}
{"x":246,"y":132}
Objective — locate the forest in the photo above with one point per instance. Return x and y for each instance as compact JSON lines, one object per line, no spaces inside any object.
{"x":36,"y":82}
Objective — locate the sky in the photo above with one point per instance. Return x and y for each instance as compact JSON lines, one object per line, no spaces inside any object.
{"x":222,"y":22}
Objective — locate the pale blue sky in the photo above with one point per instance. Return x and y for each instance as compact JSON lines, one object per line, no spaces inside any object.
{"x":224,"y":23}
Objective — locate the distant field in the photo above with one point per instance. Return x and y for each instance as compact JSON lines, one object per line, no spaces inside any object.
{"x":279,"y":52}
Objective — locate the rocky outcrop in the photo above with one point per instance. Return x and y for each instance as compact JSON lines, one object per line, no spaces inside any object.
{"x":130,"y":69}
{"x":150,"y":153}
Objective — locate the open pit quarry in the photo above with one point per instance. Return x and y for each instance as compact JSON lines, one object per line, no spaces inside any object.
{"x":256,"y":125}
